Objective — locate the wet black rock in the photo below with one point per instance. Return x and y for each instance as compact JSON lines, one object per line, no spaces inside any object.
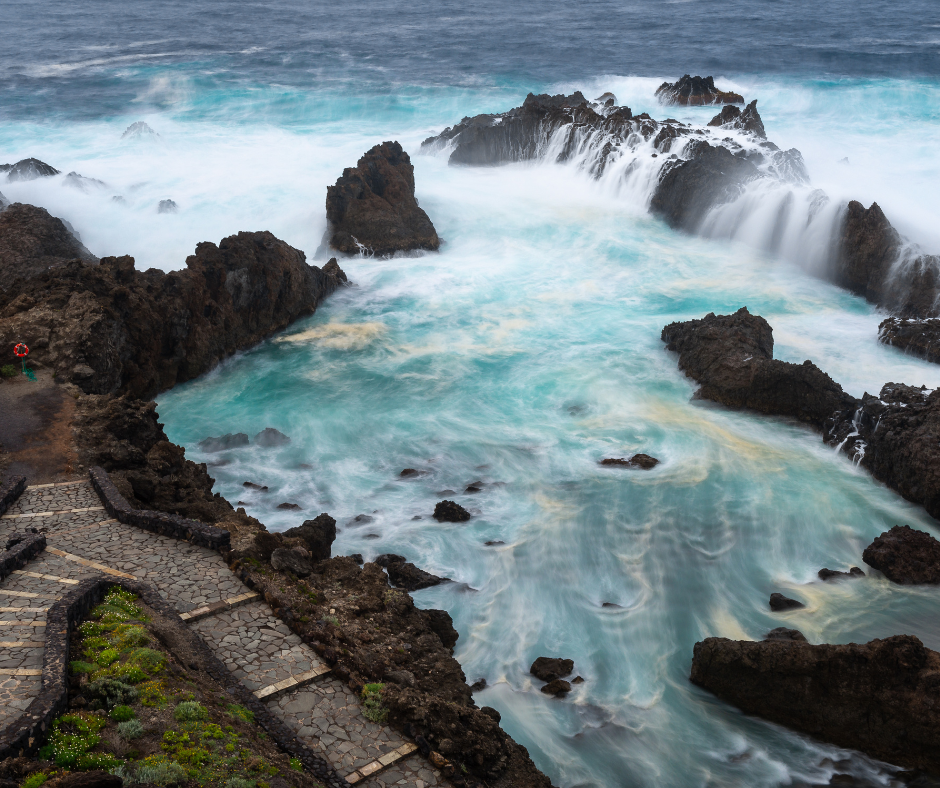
{"x":917,"y":337}
{"x":479,"y":684}
{"x":28,"y":170}
{"x":254,"y":486}
{"x":269,"y":437}
{"x":361,"y":519}
{"x":551,"y":668}
{"x":389,"y":558}
{"x":749,"y":120}
{"x":291,"y":560}
{"x":290,"y":507}
{"x":450,"y":512}
{"x":317,"y":535}
{"x":906,"y":556}
{"x":558,"y":687}
{"x":167,"y":206}
{"x":692,"y":91}
{"x":233,"y":440}
{"x":643,"y":461}
{"x":411,"y":578}
{"x":410,"y":472}
{"x":782,"y":633}
{"x":832,"y":574}
{"x":780,"y":602}
{"x":494,"y":543}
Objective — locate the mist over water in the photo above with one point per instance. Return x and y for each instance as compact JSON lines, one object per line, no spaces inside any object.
{"x":529,"y":347}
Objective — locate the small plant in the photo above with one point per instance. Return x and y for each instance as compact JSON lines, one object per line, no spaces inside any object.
{"x":332,"y":620}
{"x":72,"y":736}
{"x":130,"y":730}
{"x":122,"y":713}
{"x":190,"y":711}
{"x":296,"y":764}
{"x":374,"y":710}
{"x":10,"y":371}
{"x":241,"y":712}
{"x":107,"y":657}
{"x":106,"y":693}
{"x":159,"y":771}
{"x":79,"y":667}
{"x":151,"y":693}
{"x":34,"y":780}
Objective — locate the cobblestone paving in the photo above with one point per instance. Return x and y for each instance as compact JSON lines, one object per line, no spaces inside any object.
{"x":258,"y":647}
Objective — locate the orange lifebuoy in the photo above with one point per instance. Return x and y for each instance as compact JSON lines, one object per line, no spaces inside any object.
{"x":20,"y":351}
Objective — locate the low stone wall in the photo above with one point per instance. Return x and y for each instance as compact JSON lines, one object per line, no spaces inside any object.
{"x":10,"y":490}
{"x":25,"y":735}
{"x":171,"y":525}
{"x":23,"y":549}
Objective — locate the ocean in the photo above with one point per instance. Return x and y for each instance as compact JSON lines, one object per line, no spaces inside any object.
{"x":529,"y":347}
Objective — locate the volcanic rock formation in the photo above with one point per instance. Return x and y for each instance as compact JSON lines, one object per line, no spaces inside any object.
{"x":905,"y":556}
{"x":32,"y":240}
{"x":114,"y":329}
{"x":694,"y":92}
{"x":28,"y":170}
{"x":917,"y":337}
{"x":895,"y":435}
{"x":882,"y":697}
{"x":372,"y":207}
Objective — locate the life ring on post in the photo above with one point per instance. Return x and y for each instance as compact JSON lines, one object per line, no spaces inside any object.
{"x":20,"y":351}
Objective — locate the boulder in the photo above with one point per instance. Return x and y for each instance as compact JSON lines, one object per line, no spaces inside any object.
{"x":558,"y":687}
{"x":450,"y":512}
{"x":372,"y":207}
{"x":880,"y":697}
{"x":832,"y":574}
{"x":271,"y":437}
{"x":442,"y":625}
{"x":551,"y":668}
{"x":389,"y":558}
{"x":318,"y":535}
{"x":782,"y":633}
{"x":695,"y":91}
{"x":28,"y":170}
{"x":255,"y":486}
{"x":231,"y":440}
{"x":408,"y":473}
{"x":411,"y":578}
{"x":905,"y":556}
{"x":780,"y":602}
{"x":167,"y":206}
{"x":916,"y":337}
{"x":32,"y":241}
{"x":290,"y":560}
{"x":290,"y":507}
{"x":643,"y":461}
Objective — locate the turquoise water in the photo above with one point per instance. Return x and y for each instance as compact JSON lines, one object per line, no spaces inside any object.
{"x":527,"y":350}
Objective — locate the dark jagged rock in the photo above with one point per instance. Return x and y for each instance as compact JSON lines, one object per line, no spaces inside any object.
{"x":880,"y":697}
{"x":167,"y":206}
{"x":551,"y":668}
{"x":782,"y":633}
{"x":694,"y":92}
{"x":905,"y":556}
{"x":291,"y":560}
{"x":558,"y":687}
{"x":390,"y":558}
{"x":643,"y":461}
{"x":317,"y":535}
{"x":290,"y":507}
{"x":411,"y":578}
{"x":32,"y":241}
{"x":269,"y":437}
{"x":372,"y":206}
{"x":450,"y":512}
{"x":255,"y":486}
{"x":731,"y":356}
{"x":832,"y":574}
{"x":917,"y":337}
{"x":780,"y":602}
{"x":409,"y":472}
{"x":83,"y":184}
{"x":748,"y":120}
{"x":233,"y":440}
{"x":28,"y":170}
{"x":113,"y":329}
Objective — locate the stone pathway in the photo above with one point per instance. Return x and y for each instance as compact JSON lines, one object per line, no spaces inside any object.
{"x":236,"y":623}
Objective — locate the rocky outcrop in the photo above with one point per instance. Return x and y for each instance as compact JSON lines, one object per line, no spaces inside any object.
{"x":372,"y":207}
{"x":317,"y":536}
{"x":731,"y":356}
{"x":882,"y":697}
{"x":32,"y":241}
{"x":694,"y":92}
{"x":779,"y":602}
{"x":28,"y":170}
{"x":450,"y":512}
{"x":917,"y":337}
{"x":643,"y":461}
{"x":551,"y":668}
{"x":905,"y":556}
{"x":895,"y":435}
{"x":748,"y":120}
{"x":114,"y":329}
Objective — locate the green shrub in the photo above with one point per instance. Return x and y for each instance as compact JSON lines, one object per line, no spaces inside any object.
{"x":130,"y":729}
{"x":72,"y":736}
{"x":190,"y":711}
{"x":10,"y":371}
{"x":34,"y":780}
{"x":107,"y":657}
{"x":122,"y":713}
{"x":296,"y":764}
{"x":106,"y":693}
{"x":128,"y":636}
{"x":374,"y":710}
{"x":151,"y":693}
{"x":129,"y":674}
{"x":78,"y":667}
{"x":147,"y":659}
{"x":160,"y":772}
{"x":241,"y":712}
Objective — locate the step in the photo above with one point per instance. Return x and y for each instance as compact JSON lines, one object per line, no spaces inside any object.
{"x":217,"y":607}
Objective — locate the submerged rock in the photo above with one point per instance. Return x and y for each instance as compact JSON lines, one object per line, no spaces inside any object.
{"x":33,"y":241}
{"x":831,"y":574}
{"x":880,"y":697}
{"x":255,"y":486}
{"x":905,"y":556}
{"x":269,"y":437}
{"x":317,"y":535}
{"x":290,"y":507}
{"x":551,"y":668}
{"x":694,"y":92}
{"x":643,"y":461}
{"x":372,"y":207}
{"x":408,"y":473}
{"x":232,"y":440}
{"x":28,"y":170}
{"x":780,"y":602}
{"x":167,"y":206}
{"x":558,"y":687}
{"x":450,"y":512}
